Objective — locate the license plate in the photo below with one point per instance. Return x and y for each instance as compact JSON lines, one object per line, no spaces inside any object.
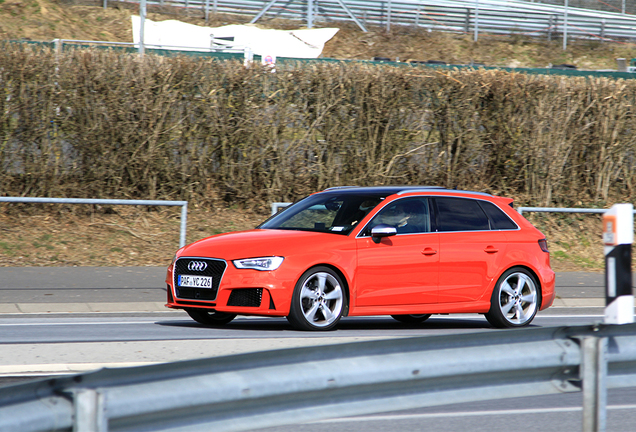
{"x":195,"y":281}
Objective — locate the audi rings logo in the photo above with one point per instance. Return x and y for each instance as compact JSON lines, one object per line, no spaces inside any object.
{"x":197,"y":265}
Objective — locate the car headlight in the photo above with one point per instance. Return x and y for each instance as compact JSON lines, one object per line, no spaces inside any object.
{"x":265,"y":263}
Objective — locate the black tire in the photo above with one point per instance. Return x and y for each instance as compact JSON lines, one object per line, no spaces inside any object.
{"x":211,"y":318}
{"x":411,"y":319}
{"x":319,"y":300}
{"x":515,"y":299}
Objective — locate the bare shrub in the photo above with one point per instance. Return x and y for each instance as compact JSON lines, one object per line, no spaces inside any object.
{"x":100,"y":123}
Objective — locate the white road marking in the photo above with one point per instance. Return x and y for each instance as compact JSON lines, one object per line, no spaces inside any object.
{"x":48,"y":322}
{"x":83,"y":323}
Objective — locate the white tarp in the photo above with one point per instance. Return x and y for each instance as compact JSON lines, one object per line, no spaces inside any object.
{"x":305,"y":43}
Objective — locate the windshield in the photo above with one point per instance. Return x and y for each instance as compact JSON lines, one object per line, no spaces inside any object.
{"x":325,"y":212}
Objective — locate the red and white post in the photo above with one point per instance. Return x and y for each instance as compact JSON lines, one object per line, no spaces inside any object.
{"x":618,"y":236}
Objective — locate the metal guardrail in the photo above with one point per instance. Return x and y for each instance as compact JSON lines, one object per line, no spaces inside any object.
{"x":59,"y":46}
{"x":277,"y":206}
{"x":183,"y":204}
{"x":274,"y":388}
{"x":462,"y":16}
{"x":560,"y":210}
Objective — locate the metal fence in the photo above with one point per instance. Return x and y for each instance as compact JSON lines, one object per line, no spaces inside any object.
{"x":273,"y":388}
{"x":182,"y":204}
{"x":560,"y":210}
{"x":498,"y":17}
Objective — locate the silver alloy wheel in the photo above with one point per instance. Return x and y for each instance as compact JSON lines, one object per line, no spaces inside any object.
{"x":518,"y":298}
{"x":321,"y":299}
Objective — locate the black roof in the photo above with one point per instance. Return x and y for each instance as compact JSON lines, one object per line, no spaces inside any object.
{"x":390,"y":190}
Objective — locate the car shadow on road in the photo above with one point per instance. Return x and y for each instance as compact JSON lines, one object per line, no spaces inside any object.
{"x":359,"y":324}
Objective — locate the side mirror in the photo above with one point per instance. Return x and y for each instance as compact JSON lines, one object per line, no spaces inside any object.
{"x":382,"y":230}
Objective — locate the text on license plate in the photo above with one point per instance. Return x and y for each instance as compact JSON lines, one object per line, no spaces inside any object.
{"x":195,"y":281}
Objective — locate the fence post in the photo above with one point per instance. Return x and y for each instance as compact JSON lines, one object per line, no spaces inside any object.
{"x":565,"y":26}
{"x":467,"y":21}
{"x":550,"y":27}
{"x":310,"y":14}
{"x":142,"y":23}
{"x":476,"y":36}
{"x":602,"y":29}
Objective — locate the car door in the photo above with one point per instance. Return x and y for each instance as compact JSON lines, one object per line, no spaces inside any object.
{"x":401,"y":269}
{"x":470,"y":252}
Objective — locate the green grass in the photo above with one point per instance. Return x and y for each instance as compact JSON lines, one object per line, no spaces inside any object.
{"x":45,"y":237}
{"x":564,"y":245}
{"x":45,"y":246}
{"x":560,"y":255}
{"x":7,"y":249}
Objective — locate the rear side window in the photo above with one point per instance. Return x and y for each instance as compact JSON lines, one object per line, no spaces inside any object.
{"x":498,"y":219}
{"x":459,"y":214}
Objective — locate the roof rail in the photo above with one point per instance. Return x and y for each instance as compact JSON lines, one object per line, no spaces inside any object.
{"x":441,"y":189}
{"x":341,"y":187}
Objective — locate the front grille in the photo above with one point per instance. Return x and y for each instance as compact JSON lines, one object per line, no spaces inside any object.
{"x":247,"y":297}
{"x":215,"y":268}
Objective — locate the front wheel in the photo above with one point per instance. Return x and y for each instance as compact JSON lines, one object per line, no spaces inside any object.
{"x":411,"y":319}
{"x":211,"y":318}
{"x":515,"y":299}
{"x":318,"y":301}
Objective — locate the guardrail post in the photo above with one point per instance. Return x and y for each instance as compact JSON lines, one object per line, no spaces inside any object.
{"x":593,"y":374}
{"x":467,"y":21}
{"x":184,"y":224}
{"x":476,"y":27}
{"x":90,"y":411}
{"x":565,"y":26}
{"x":142,"y":22}
{"x":551,"y":25}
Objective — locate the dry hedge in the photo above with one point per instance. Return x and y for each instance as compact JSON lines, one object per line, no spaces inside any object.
{"x":97,"y":123}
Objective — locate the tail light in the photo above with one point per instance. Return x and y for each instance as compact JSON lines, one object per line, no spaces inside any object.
{"x":543,"y":244}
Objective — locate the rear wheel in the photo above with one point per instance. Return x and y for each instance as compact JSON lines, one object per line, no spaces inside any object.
{"x":515,"y":299}
{"x":319,"y":300}
{"x":211,"y":318}
{"x":411,"y":319}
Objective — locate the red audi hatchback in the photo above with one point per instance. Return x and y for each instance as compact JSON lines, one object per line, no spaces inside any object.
{"x":407,"y":252}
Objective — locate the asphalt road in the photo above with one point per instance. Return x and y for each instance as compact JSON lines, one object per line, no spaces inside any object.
{"x":36,"y":345}
{"x":142,"y":289}
{"x":48,"y":326}
{"x":554,"y":413}
{"x":42,"y":345}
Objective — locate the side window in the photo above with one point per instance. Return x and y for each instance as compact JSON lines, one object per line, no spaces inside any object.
{"x":408,"y":216}
{"x":498,"y":219}
{"x":460,"y":214}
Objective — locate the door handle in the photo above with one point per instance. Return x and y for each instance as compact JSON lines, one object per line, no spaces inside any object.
{"x":491,"y":249}
{"x":429,"y":251}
